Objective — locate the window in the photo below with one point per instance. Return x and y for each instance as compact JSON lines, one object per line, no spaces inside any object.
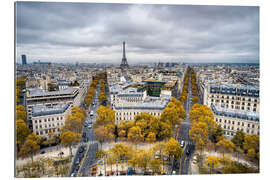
{"x":243,"y":108}
{"x":40,"y":126}
{"x":40,"y":121}
{"x":61,"y":117}
{"x":37,"y":133}
{"x":248,"y":104}
{"x":232,"y":97}
{"x":255,"y":100}
{"x":225,"y":121}
{"x":254,"y":109}
{"x":232,"y":128}
{"x":248,"y":125}
{"x":57,"y":118}
{"x":35,"y":121}
{"x":247,"y":130}
{"x":232,"y":122}
{"x":229,"y":122}
{"x":49,"y":119}
{"x":45,"y":120}
{"x":52,"y":119}
{"x":36,"y":127}
{"x":255,"y":105}
{"x":243,"y":103}
{"x":46,"y":131}
{"x":232,"y":102}
{"x":253,"y":126}
{"x":243,"y":124}
{"x":224,"y":126}
{"x":41,"y":132}
{"x":220,"y":120}
{"x":238,"y":123}
{"x":243,"y":99}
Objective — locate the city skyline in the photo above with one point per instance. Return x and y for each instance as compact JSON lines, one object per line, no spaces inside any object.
{"x":93,"y":33}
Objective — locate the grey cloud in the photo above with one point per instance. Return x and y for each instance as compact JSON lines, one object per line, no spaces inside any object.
{"x":88,"y":31}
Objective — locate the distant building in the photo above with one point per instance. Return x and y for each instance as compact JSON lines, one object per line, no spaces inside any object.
{"x":232,"y":121}
{"x":24,"y":59}
{"x":130,"y":103}
{"x":39,"y":97}
{"x":238,"y":97}
{"x":49,"y":118}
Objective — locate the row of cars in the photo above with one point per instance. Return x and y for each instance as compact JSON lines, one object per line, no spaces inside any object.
{"x":79,"y":157}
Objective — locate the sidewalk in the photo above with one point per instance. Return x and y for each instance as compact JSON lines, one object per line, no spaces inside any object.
{"x":51,"y":153}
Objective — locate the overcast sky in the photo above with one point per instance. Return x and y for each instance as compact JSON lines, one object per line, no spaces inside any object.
{"x":89,"y":32}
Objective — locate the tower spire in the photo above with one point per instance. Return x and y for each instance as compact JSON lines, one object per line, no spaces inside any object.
{"x":124,"y":63}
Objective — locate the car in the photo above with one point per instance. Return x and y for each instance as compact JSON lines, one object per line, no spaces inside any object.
{"x":77,"y":168}
{"x":42,"y":152}
{"x":182,"y":144}
{"x":85,"y":139}
{"x":84,"y":134}
{"x":89,"y":126}
{"x":77,"y":161}
{"x":81,"y":149}
{"x":188,"y":152}
{"x":91,"y":113}
{"x":195,"y":159}
{"x":72,"y":175}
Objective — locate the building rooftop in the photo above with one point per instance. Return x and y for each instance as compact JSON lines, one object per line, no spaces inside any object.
{"x":42,"y":110}
{"x":235,"y":89}
{"x":42,"y":93}
{"x":151,"y":103}
{"x":247,"y":115}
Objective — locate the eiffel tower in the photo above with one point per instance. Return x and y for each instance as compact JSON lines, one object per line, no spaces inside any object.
{"x":124,"y":64}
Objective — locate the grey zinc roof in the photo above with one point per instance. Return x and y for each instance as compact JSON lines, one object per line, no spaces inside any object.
{"x":149,"y":104}
{"x":235,"y":113}
{"x":39,"y":92}
{"x":41,"y":110}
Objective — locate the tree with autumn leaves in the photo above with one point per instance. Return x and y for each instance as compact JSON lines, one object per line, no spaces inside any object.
{"x":70,"y":132}
{"x":203,"y":126}
{"x":30,"y":146}
{"x":104,"y":127}
{"x":145,"y":159}
{"x":69,"y":139}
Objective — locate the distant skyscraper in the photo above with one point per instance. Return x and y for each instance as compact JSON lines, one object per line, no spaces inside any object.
{"x":24,"y":59}
{"x":124,"y":63}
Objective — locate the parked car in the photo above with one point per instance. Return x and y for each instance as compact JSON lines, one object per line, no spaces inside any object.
{"x":72,"y":175}
{"x":42,"y":152}
{"x":77,"y":168}
{"x":195,"y":160}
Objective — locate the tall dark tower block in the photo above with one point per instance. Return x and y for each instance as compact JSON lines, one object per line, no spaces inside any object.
{"x":124,"y":63}
{"x":24,"y":59}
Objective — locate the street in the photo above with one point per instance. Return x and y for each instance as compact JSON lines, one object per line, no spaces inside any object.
{"x":83,"y":161}
{"x":182,"y":166}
